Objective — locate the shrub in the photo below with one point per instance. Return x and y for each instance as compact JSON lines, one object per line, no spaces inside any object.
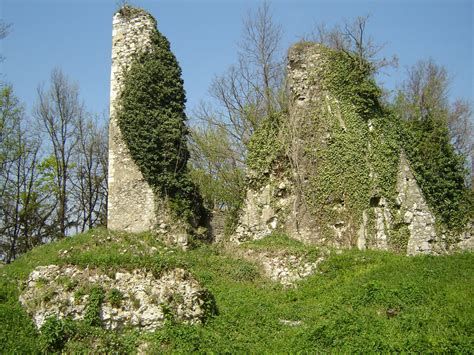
{"x":92,"y":314}
{"x":55,"y":333}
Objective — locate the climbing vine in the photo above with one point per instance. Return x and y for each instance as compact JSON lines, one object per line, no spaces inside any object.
{"x":439,"y":171}
{"x":351,"y":145}
{"x":151,"y":117}
{"x":265,"y":150}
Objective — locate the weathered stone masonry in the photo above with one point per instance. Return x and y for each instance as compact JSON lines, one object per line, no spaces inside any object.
{"x":131,"y":202}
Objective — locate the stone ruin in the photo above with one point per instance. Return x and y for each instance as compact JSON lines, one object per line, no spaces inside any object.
{"x":133,"y":207}
{"x":276,"y":207}
{"x":131,"y":202}
{"x":144,"y":299}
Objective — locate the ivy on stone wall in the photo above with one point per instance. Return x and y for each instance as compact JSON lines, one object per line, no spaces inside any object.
{"x":352,"y":145}
{"x":265,"y":150}
{"x":151,"y":117}
{"x":345,"y":154}
{"x":349,"y":145}
{"x":439,"y":171}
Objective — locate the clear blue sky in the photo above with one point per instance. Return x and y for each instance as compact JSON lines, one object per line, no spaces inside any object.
{"x":75,"y":35}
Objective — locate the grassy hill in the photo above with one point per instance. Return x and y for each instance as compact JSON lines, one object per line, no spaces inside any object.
{"x":357,"y":301}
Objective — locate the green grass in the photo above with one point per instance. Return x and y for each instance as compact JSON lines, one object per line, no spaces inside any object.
{"x":360,"y":302}
{"x":278,"y":242}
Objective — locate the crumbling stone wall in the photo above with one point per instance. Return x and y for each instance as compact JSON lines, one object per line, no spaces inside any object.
{"x":131,"y":202}
{"x":144,"y":299}
{"x":416,"y":213}
{"x":402,"y":222}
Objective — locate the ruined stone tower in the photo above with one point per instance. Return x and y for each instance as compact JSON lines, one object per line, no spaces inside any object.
{"x":318,"y":120}
{"x":131,"y":202}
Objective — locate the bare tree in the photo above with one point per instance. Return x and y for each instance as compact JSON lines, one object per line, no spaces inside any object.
{"x":425,"y":91}
{"x":11,"y":115}
{"x":352,"y":37}
{"x":90,"y":180}
{"x":216,"y":167}
{"x":260,"y":56}
{"x":249,"y":90}
{"x":461,"y":127}
{"x":242,"y":97}
{"x":24,"y":207}
{"x":4,"y":30}
{"x":424,"y":96}
{"x":59,"y":111}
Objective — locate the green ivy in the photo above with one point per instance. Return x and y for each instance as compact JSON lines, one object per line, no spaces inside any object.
{"x":151,"y":117}
{"x":353,"y":158}
{"x":55,"y":333}
{"x":265,"y":149}
{"x":115,"y":297}
{"x":439,"y":171}
{"x":92,"y":314}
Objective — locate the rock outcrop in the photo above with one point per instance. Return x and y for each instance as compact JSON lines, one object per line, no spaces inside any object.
{"x":134,"y":298}
{"x":285,"y":268}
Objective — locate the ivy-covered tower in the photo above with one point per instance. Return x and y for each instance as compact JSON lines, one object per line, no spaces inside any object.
{"x":131,"y":202}
{"x":149,"y":188}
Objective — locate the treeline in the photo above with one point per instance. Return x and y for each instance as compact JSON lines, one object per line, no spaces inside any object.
{"x":53,"y":167}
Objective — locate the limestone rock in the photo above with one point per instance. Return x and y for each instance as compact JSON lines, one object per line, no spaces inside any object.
{"x":282,"y":267}
{"x":145,"y":301}
{"x":418,"y":217}
{"x":132,"y":205}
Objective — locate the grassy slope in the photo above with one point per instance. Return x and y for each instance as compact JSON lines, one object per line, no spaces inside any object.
{"x":344,"y":308}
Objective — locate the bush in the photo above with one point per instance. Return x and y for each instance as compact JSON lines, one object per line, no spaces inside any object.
{"x":55,"y":333}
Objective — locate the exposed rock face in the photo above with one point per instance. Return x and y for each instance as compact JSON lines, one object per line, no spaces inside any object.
{"x":404,"y":223}
{"x":416,"y":213}
{"x":141,"y":301}
{"x":260,"y":216}
{"x":284,"y":268}
{"x":465,"y":241}
{"x":131,"y":202}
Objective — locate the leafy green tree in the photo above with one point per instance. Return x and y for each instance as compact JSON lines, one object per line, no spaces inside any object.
{"x":216,"y":169}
